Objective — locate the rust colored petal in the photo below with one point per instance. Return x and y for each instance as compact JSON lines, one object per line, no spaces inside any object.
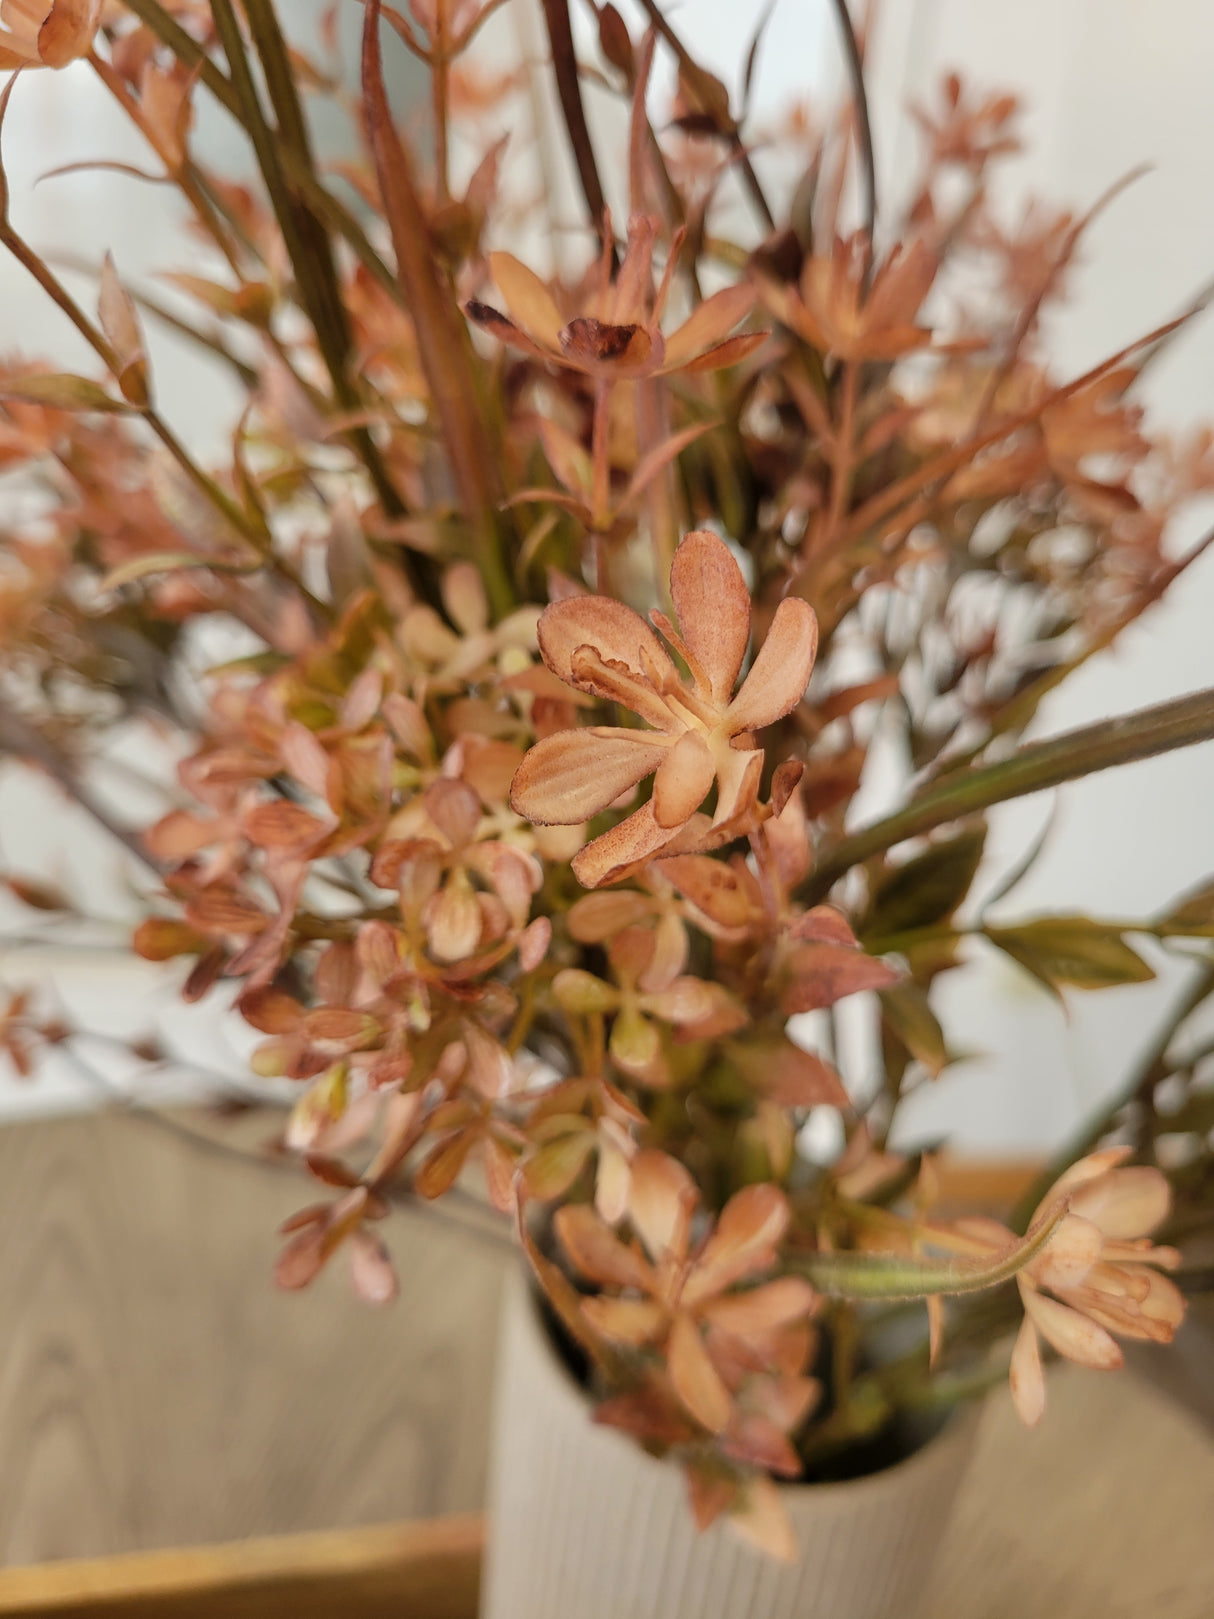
{"x":593,"y":1247}
{"x":708,"y":324}
{"x":739,"y":772}
{"x":625,"y":1321}
{"x":780,"y":673}
{"x":180,"y":834}
{"x":453,"y":921}
{"x":573,"y":775}
{"x":750,"y":1225}
{"x":683,"y":779}
{"x":621,"y":849}
{"x":713,"y":604}
{"x":762,"y":1309}
{"x":697,"y":1381}
{"x":68,"y":31}
{"x":616,"y":633}
{"x":502,"y":327}
{"x":730,"y":352}
{"x":661,"y":1199}
{"x":528,"y":300}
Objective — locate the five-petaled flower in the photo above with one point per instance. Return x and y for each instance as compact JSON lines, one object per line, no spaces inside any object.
{"x":689,"y":1300}
{"x":701,"y":731}
{"x":34,"y":33}
{"x":618,"y":336}
{"x":1098,"y":1267}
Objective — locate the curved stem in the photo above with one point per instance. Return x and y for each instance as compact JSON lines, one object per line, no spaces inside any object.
{"x":1074,"y":754}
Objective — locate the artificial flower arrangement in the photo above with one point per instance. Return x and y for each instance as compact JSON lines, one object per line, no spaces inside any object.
{"x":575,"y":607}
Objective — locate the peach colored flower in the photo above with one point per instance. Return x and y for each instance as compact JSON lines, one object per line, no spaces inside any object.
{"x":1095,"y":1276}
{"x":685,"y":1294}
{"x":700,"y":731}
{"x":831,"y":310}
{"x":619,"y":334}
{"x":34,"y":33}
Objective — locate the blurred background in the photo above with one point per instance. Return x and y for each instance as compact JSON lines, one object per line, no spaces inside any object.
{"x":127,"y":1257}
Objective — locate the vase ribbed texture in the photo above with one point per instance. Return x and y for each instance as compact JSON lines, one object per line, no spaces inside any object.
{"x":584,"y":1525}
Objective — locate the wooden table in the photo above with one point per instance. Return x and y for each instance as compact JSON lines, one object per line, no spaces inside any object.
{"x":156,"y":1394}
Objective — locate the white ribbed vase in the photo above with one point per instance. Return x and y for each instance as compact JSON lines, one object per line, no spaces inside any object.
{"x":583,"y":1524}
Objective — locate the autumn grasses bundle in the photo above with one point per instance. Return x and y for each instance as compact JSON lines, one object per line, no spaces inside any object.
{"x":524,"y":655}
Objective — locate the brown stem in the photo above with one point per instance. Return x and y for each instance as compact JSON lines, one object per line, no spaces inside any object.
{"x":569,"y":91}
{"x":304,"y":234}
{"x":864,"y":130}
{"x":698,"y":79}
{"x":20,"y":737}
{"x":443,"y":343}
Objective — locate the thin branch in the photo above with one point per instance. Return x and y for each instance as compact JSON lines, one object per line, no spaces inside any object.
{"x":21,"y":738}
{"x":698,"y":79}
{"x":1140,"y":735}
{"x":569,"y":89}
{"x":864,"y":130}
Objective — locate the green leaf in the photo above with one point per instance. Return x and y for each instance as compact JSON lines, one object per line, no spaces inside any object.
{"x":62,"y":390}
{"x":908,"y":1013}
{"x":1192,"y":917}
{"x":926,"y":889}
{"x":1073,"y":950}
{"x":902,"y":1276}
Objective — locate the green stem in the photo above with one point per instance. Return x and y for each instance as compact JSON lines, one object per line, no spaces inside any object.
{"x":304,"y":234}
{"x":1140,"y":735}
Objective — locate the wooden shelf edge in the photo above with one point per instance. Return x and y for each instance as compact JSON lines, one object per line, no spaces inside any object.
{"x":428,"y":1569}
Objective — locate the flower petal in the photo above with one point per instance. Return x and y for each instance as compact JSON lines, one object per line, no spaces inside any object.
{"x":1025,"y":1377}
{"x":1072,"y":1334}
{"x":683,"y":780}
{"x":528,"y":300}
{"x":696,"y":1380}
{"x":500,"y":326}
{"x":661,"y":1198}
{"x":625,"y":1321}
{"x":68,"y":31}
{"x":618,"y":851}
{"x":762,"y":1519}
{"x":713,"y":604}
{"x":613,"y":630}
{"x":750,"y":1225}
{"x":1125,"y":1202}
{"x":761,"y":1309}
{"x":739,"y":772}
{"x":724,"y":354}
{"x":570,"y":776}
{"x":1069,"y":1254}
{"x":779,"y":675}
{"x":708,"y":324}
{"x":593,"y":1247}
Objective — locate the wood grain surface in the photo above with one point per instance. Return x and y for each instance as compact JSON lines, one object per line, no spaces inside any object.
{"x":155,"y":1390}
